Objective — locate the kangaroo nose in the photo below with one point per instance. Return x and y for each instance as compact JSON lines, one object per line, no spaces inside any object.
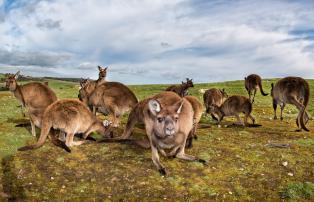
{"x":170,"y":130}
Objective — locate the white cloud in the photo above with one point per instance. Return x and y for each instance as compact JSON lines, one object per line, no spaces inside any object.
{"x":161,"y":41}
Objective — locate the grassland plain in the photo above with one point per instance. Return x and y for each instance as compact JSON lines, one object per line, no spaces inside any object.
{"x":241,"y":167}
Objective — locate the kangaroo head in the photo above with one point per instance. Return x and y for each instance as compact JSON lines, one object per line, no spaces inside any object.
{"x":10,"y":80}
{"x":83,"y":82}
{"x":102,"y":72}
{"x":189,"y":82}
{"x":223,"y":93}
{"x":85,"y":90}
{"x":166,"y":119}
{"x":215,"y":109}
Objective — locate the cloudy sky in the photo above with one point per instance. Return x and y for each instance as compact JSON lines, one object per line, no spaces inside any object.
{"x":157,"y":41}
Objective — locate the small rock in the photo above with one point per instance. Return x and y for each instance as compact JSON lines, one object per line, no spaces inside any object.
{"x":262,"y":174}
{"x":270,"y":118}
{"x":226,"y":126}
{"x":290,"y":174}
{"x":242,"y":169}
{"x":285,"y":163}
{"x":30,"y":183}
{"x":52,"y":178}
{"x":219,"y":126}
{"x":230,"y":192}
{"x":63,"y":187}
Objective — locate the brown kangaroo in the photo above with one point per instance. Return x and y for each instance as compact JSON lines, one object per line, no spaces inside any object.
{"x":34,"y":96}
{"x":109,"y":98}
{"x":181,"y":90}
{"x":197,"y":114}
{"x":214,"y":96}
{"x":252,"y":83}
{"x":69,"y":116}
{"x":292,"y":90}
{"x":233,"y":106}
{"x":168,"y":121}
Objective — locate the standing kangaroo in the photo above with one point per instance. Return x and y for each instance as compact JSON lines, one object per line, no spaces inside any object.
{"x":110,"y":98}
{"x":69,"y":116}
{"x":197,"y":114}
{"x":168,"y":121}
{"x":34,"y":96}
{"x":214,"y":96}
{"x":292,"y":90}
{"x":252,"y":83}
{"x":181,"y":90}
{"x":233,"y":106}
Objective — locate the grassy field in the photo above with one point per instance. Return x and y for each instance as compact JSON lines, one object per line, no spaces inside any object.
{"x":240,"y":166}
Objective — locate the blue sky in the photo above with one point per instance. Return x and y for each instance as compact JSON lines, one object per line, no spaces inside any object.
{"x":158,"y":41}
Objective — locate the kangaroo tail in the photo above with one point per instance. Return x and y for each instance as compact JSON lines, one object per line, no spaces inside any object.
{"x":261,"y":88}
{"x":142,"y":143}
{"x":305,"y":102}
{"x":43,"y":136}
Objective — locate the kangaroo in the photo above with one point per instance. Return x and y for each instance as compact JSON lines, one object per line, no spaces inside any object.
{"x":168,"y":121}
{"x":292,"y":90}
{"x":252,"y":83}
{"x":214,"y":96}
{"x":35,"y":97}
{"x":69,"y":116}
{"x":197,"y":114}
{"x":181,"y":90}
{"x":109,"y":98}
{"x":233,"y":106}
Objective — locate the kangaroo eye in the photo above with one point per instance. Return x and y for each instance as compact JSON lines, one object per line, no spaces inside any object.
{"x":160,"y":119}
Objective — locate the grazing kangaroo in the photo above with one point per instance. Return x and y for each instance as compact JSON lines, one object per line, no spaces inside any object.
{"x":181,"y":90}
{"x":233,"y":106}
{"x":197,"y":114}
{"x":292,"y":90}
{"x":34,"y":96}
{"x":214,"y":96}
{"x":109,"y":98}
{"x":69,"y":116}
{"x":168,"y":121}
{"x":252,"y":83}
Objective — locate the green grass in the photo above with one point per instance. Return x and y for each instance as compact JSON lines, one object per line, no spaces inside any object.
{"x":240,"y":166}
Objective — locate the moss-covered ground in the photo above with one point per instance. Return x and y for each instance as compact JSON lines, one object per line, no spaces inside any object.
{"x":240,"y":165}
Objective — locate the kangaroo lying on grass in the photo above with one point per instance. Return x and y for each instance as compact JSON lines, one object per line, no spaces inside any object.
{"x":292,"y":90}
{"x":34,"y":96}
{"x":233,"y":106}
{"x":214,"y":96}
{"x":181,"y":90}
{"x":168,"y":122}
{"x":252,"y":83}
{"x":109,"y":98}
{"x":69,"y":116}
{"x":197,"y":114}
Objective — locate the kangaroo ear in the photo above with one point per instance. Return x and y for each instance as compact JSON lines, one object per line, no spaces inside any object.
{"x":99,"y":68}
{"x":106,"y":68}
{"x":154,"y":107}
{"x":180,"y":106}
{"x":223,"y":90}
{"x":17,"y":74}
{"x":244,"y":78}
